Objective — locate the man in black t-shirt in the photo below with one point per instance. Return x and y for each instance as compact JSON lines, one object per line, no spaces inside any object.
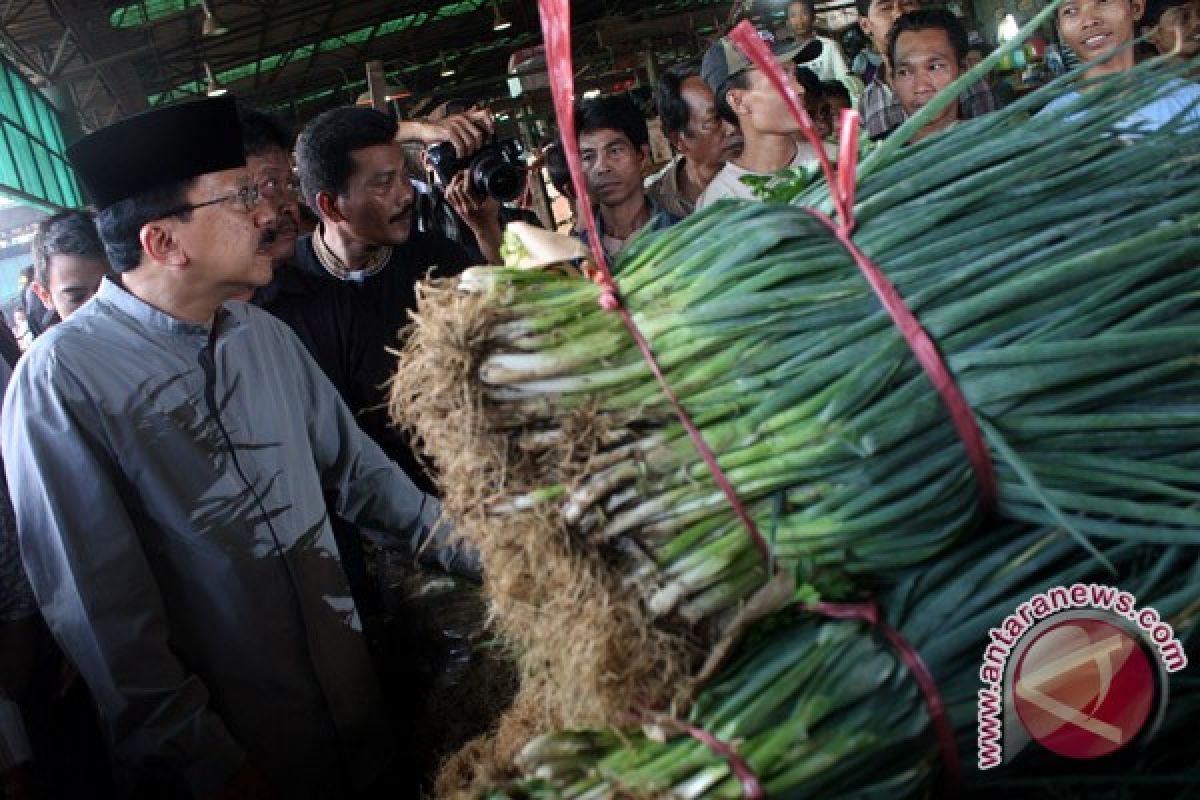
{"x":351,"y":283}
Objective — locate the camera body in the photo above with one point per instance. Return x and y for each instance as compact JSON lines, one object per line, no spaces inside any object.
{"x":494,"y":169}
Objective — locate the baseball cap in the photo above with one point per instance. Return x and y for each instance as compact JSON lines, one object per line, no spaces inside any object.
{"x":723,"y":60}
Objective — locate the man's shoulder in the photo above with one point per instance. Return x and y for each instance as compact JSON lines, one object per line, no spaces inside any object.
{"x":1176,"y":97}
{"x":666,"y":194}
{"x":726,"y":183}
{"x":430,"y":250}
{"x":88,"y":342}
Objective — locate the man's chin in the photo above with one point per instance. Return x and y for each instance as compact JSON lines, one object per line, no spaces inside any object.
{"x":282,"y":249}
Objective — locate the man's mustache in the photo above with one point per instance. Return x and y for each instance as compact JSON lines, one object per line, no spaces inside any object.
{"x":286,"y":226}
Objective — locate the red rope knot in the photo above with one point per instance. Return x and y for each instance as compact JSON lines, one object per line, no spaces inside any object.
{"x":609,"y":299}
{"x":842,"y":187}
{"x":556,"y":33}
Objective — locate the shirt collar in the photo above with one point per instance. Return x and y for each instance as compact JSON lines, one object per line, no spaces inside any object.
{"x":130,"y":304}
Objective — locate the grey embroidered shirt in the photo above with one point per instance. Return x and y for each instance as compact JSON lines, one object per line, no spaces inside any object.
{"x":168,"y":483}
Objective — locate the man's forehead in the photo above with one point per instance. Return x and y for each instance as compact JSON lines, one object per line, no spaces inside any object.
{"x":272,"y":157}
{"x":603,"y":138}
{"x":922,"y":43}
{"x":376,"y":158}
{"x":226,"y":177}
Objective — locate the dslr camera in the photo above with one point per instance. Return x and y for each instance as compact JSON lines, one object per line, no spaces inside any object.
{"x":494,"y":169}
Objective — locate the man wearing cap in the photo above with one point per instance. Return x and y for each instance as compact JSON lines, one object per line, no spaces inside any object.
{"x":168,"y":455}
{"x":746,"y":98}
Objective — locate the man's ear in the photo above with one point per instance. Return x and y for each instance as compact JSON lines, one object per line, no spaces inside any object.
{"x":675,"y":138}
{"x":42,"y":293}
{"x":327,"y":207}
{"x":643,"y":156}
{"x":736,"y":100}
{"x":160,"y":242}
{"x":1137,"y":8}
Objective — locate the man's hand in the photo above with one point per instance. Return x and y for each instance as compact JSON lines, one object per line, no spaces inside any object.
{"x":482,"y":215}
{"x":466,"y":131}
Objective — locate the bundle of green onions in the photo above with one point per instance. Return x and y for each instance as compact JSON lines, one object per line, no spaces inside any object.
{"x":1051,"y":260}
{"x":821,"y":708}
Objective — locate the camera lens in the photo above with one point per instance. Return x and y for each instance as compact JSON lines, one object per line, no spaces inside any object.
{"x":498,"y":178}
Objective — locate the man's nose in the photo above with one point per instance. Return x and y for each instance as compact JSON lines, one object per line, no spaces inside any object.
{"x":267,"y":212}
{"x":924,"y":81}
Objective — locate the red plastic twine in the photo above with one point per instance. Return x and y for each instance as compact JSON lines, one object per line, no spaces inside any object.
{"x":920,"y":672}
{"x":842,"y":187}
{"x":556,"y":31}
{"x":751,"y":786}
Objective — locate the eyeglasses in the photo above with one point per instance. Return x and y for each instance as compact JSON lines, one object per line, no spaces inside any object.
{"x":273,"y":187}
{"x":244,"y":200}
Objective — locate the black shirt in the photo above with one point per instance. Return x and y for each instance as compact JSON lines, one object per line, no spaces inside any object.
{"x":347,"y":325}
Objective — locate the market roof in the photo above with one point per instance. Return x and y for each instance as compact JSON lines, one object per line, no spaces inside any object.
{"x":113,"y":58}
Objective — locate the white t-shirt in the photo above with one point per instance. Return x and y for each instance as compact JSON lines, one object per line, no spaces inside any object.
{"x":728,"y":182}
{"x":1175,"y":97}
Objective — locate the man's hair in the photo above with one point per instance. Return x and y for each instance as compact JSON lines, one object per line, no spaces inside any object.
{"x":67,"y":233}
{"x":613,"y":113}
{"x":1154,"y":11}
{"x":120,"y":224}
{"x":725,"y":111}
{"x":863,"y":6}
{"x":262,"y":131}
{"x":668,"y":96}
{"x":928,"y":19}
{"x":835,"y":89}
{"x":323,"y":148}
{"x":811,"y":5}
{"x":811,"y":84}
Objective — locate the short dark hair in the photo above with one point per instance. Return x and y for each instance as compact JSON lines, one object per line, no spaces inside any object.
{"x":120,"y":224}
{"x":668,"y":95}
{"x":835,"y":89}
{"x":67,"y":233}
{"x":262,"y":131}
{"x":740,"y":80}
{"x":324,"y":146}
{"x":1154,"y":11}
{"x":614,"y":113}
{"x":811,"y":5}
{"x":927,"y":19}
{"x":811,"y":84}
{"x":863,"y":7}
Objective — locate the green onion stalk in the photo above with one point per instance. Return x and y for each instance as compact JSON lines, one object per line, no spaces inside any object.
{"x":1052,"y":261}
{"x":818,"y":707}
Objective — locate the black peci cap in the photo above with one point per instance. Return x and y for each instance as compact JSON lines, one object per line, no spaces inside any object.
{"x":157,"y":148}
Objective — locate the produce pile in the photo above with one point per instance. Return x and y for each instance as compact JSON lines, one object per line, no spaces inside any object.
{"x":805,"y":700}
{"x":1051,"y":260}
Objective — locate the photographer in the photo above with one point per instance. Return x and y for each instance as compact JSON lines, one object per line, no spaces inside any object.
{"x":465,"y":195}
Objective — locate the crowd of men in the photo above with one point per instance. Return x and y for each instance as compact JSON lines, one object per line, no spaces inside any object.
{"x":195,"y":447}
